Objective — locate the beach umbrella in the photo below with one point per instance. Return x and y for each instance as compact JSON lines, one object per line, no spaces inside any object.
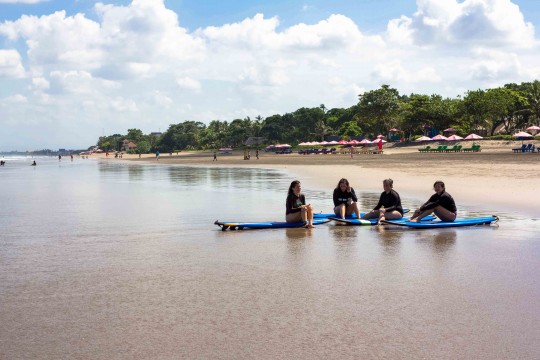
{"x":473,"y":137}
{"x":454,"y":138}
{"x":393,"y":130}
{"x":365,"y":141}
{"x":522,"y":135}
{"x":304,"y":144}
{"x":450,"y":130}
{"x":343,"y":142}
{"x":333,"y":142}
{"x":534,"y":128}
{"x":423,"y":138}
{"x":283,"y":146}
{"x":353,"y":142}
{"x":380,"y":136}
{"x":439,"y":137}
{"x":323,"y":143}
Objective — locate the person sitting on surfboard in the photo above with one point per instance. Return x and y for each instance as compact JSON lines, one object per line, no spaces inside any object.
{"x":345,"y":200}
{"x":441,"y":203}
{"x":389,"y":205}
{"x":296,"y":208}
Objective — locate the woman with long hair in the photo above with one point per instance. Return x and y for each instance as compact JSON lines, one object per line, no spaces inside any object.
{"x":441,"y":204}
{"x":345,"y":200}
{"x":296,"y":208}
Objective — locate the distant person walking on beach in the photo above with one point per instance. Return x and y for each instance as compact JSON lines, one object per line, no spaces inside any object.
{"x":345,"y":200}
{"x":441,"y":203}
{"x":215,"y":156}
{"x":379,"y":145}
{"x":389,"y":205}
{"x":71,"y":157}
{"x":257,"y":154}
{"x":296,"y":208}
{"x":2,"y":163}
{"x":34,"y":163}
{"x":59,"y":157}
{"x":157,"y":155}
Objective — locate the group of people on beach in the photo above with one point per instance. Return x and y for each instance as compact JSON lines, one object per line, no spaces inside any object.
{"x":388,"y":208}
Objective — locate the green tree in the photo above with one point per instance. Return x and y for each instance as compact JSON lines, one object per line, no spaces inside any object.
{"x":379,"y":109}
{"x":143,"y":147}
{"x":350,"y":129}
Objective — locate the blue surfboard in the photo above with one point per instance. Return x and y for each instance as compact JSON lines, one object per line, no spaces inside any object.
{"x":353,"y":216}
{"x":445,"y":224}
{"x":238,"y":225}
{"x":362,"y":222}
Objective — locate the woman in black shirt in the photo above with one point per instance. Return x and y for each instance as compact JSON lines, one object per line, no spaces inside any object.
{"x":441,"y":203}
{"x":296,"y":208}
{"x":345,"y":200}
{"x":389,"y":205}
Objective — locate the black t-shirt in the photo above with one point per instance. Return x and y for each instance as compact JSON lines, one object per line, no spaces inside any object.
{"x":293,"y":203}
{"x":445,"y":200}
{"x":390,"y":201}
{"x":340,"y":197}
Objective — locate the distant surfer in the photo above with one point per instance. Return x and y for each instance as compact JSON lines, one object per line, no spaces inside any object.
{"x":345,"y":199}
{"x":296,"y":208}
{"x":441,"y":203}
{"x":2,"y":163}
{"x":389,"y":205}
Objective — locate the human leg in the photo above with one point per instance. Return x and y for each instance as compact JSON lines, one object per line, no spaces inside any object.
{"x":353,"y":209}
{"x":340,"y":210}
{"x":444,"y":214}
{"x":373,"y":214}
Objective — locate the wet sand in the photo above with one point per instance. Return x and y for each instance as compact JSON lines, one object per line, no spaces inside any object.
{"x":494,"y":178}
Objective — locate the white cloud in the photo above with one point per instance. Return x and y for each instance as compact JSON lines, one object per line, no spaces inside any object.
{"x":10,"y":64}
{"x":15,"y":99}
{"x":188,"y":83}
{"x":22,"y":1}
{"x":439,"y":23}
{"x":135,"y":66}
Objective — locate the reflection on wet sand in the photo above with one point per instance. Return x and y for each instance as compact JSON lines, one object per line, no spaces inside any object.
{"x":390,"y":239}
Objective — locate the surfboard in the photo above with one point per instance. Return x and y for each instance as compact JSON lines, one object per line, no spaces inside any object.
{"x":362,"y":222}
{"x":238,"y":225}
{"x":353,"y":216}
{"x":445,"y":224}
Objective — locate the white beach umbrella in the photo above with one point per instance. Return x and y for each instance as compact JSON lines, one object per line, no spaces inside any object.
{"x":454,"y":138}
{"x":473,"y":137}
{"x":439,"y":137}
{"x":423,"y":138}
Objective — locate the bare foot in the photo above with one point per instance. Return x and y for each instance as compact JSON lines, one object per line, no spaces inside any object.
{"x":309,"y":226}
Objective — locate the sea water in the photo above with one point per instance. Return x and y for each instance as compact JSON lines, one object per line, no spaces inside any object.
{"x":116,"y":260}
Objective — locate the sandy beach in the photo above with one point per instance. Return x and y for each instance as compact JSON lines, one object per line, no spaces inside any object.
{"x":494,"y":178}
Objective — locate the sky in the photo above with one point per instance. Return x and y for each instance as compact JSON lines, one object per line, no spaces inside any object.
{"x":71,"y":71}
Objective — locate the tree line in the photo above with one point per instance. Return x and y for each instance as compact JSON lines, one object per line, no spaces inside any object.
{"x":502,"y":110}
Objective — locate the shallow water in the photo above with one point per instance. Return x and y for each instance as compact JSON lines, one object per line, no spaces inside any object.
{"x":119,"y":260}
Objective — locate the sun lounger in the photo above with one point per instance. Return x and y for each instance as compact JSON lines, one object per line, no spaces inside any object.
{"x":474,"y":148}
{"x":425,"y":149}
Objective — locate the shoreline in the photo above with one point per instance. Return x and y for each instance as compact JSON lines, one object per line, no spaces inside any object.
{"x":493,"y":178}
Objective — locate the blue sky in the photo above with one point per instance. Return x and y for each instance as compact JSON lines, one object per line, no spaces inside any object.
{"x":70,"y":70}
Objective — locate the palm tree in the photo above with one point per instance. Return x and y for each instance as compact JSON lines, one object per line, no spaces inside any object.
{"x":321,"y":129}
